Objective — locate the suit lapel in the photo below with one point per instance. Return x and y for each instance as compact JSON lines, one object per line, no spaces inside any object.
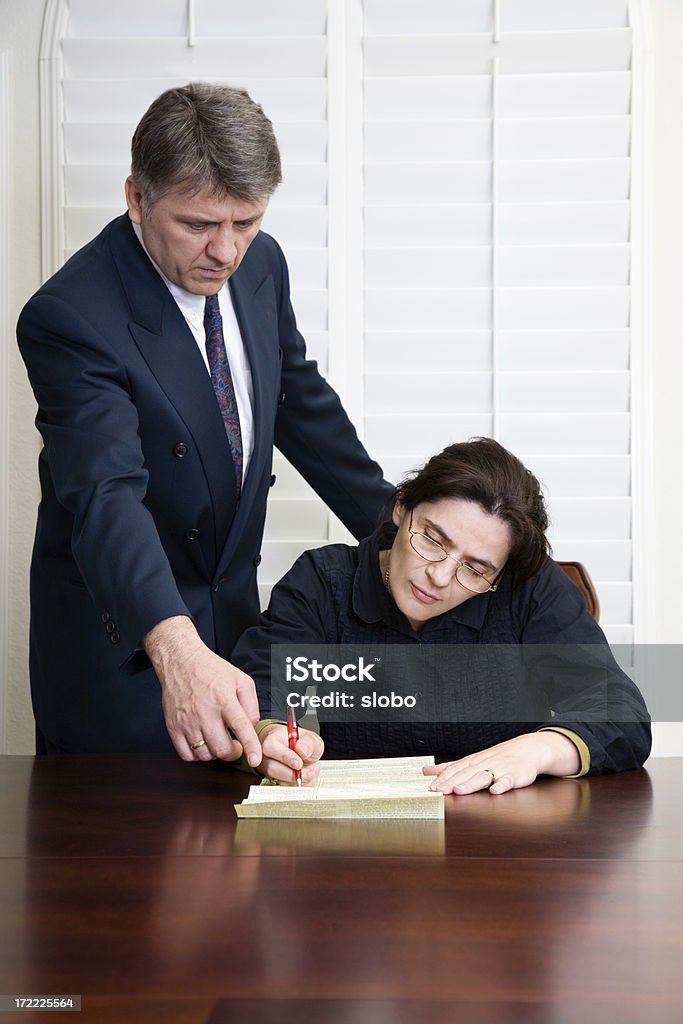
{"x":170,"y":351}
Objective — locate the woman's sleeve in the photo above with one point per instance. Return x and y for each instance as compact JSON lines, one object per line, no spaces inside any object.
{"x":569,"y":661}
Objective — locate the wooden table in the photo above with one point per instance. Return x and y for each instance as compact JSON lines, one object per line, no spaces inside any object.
{"x":127,"y":880}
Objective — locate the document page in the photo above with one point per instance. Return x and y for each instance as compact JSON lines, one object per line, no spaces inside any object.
{"x":392,"y":787}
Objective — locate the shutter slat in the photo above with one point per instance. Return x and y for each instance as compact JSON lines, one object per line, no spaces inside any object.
{"x":565,"y":95}
{"x":567,"y":223}
{"x":418,"y":437}
{"x":405,"y":17}
{"x":470,"y":54}
{"x":564,"y":350}
{"x":606,"y":561}
{"x":106,"y":99}
{"x":530,"y":15}
{"x":427,"y":225}
{"x":446,"y":97}
{"x":566,"y":180}
{"x":288,"y":483}
{"x":126,"y":17}
{"x":448,"y":351}
{"x":393,"y":183}
{"x":428,"y":309}
{"x":536,"y":308}
{"x":564,"y":392}
{"x":435,"y":268}
{"x":426,"y":142}
{"x":428,"y":394}
{"x":591,"y":519}
{"x":588,"y":476}
{"x":569,"y":138}
{"x":565,"y":434}
{"x":523,"y":266}
{"x":311,"y":308}
{"x":296,"y":519}
{"x":304,"y":185}
{"x":520,"y":266}
{"x":263,"y":57}
{"x":430,"y":98}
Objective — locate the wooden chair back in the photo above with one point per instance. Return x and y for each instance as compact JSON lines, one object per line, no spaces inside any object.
{"x":579,"y":575}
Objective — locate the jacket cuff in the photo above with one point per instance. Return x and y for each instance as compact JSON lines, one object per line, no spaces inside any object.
{"x":582,"y":748}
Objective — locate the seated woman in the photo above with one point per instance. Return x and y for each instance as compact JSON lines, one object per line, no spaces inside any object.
{"x":464,"y":560}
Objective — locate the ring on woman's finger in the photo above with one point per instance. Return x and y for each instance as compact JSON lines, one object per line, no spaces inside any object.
{"x":196,"y":746}
{"x":489,"y":772}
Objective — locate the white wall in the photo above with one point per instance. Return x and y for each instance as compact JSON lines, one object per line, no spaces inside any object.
{"x":666,"y":313}
{"x":667,"y":318}
{"x":20,"y":26}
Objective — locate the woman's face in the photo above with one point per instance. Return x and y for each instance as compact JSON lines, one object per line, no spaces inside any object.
{"x":423,"y":589}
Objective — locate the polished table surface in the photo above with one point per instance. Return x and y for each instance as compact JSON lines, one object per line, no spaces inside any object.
{"x":127,"y":880}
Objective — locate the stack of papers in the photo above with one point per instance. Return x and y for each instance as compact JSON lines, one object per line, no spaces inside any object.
{"x":388,"y":787}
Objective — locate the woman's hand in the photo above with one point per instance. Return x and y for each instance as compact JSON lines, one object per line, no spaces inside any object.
{"x":280,"y":764}
{"x":509,"y":765}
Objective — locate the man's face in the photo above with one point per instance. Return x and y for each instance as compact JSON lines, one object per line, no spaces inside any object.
{"x":198,"y":241}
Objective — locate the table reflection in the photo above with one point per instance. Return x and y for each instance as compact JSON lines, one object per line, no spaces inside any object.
{"x":540,"y":820}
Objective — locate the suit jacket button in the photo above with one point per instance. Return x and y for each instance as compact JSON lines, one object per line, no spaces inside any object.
{"x":257,"y":560}
{"x":105,"y":616}
{"x":110,"y":627}
{"x":273,"y":479}
{"x":114,"y":637}
{"x":180,"y":450}
{"x":192,"y":535}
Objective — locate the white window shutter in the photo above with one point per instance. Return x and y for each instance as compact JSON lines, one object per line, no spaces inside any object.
{"x":497,"y":253}
{"x":477,"y":206}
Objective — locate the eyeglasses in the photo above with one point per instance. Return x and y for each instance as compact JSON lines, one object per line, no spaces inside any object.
{"x":432,"y":551}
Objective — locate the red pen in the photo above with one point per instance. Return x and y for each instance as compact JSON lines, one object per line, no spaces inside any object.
{"x":293,"y":737}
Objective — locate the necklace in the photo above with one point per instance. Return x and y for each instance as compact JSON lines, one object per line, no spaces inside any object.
{"x":385,"y":576}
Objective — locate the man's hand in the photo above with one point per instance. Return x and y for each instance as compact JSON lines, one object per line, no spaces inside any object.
{"x":203,"y":695}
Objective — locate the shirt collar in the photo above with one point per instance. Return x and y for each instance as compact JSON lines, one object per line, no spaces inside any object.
{"x":372,"y":602}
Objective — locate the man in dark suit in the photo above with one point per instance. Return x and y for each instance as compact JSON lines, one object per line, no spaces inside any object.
{"x":159,"y":408}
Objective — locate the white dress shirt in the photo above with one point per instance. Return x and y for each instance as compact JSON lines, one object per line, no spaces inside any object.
{"x":192,"y":308}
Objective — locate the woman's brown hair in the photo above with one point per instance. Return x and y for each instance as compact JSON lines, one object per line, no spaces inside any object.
{"x":482,"y":471}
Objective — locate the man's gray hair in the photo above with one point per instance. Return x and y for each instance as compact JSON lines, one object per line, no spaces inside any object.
{"x":205,"y":136}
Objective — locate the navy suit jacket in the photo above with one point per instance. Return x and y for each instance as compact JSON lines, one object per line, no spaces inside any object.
{"x":139,"y":518}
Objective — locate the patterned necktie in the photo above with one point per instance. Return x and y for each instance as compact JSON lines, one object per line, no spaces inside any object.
{"x":221,"y":378}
